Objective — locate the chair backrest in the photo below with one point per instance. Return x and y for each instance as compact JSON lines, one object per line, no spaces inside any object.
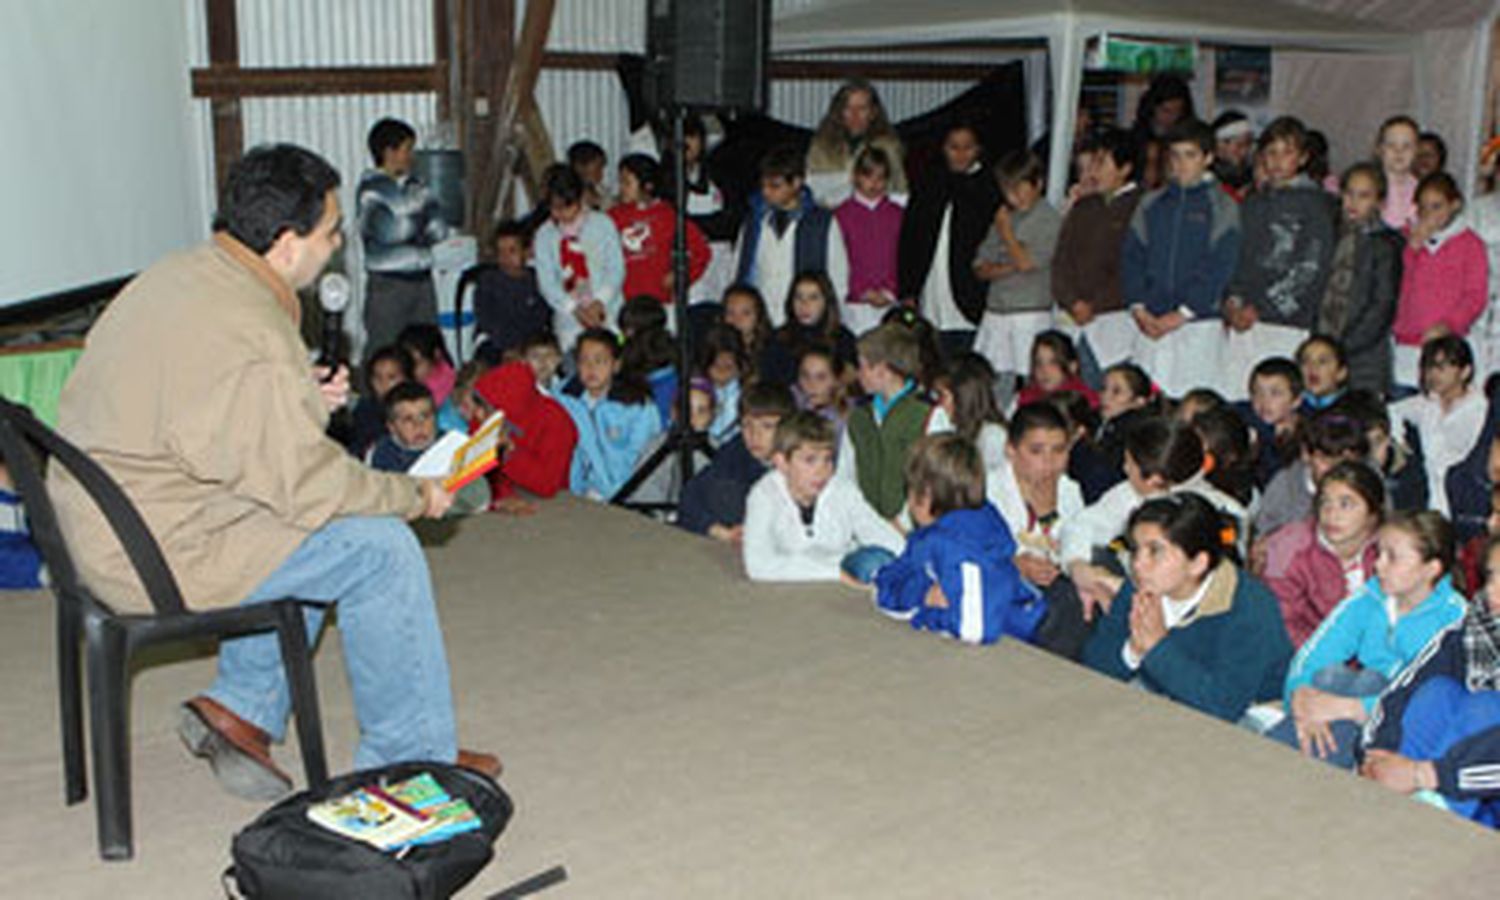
{"x":466,"y":283}
{"x":27,"y":444}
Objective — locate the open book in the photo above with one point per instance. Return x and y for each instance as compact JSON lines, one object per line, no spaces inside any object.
{"x":458,"y":458}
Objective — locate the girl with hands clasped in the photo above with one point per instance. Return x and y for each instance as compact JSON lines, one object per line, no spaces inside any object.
{"x":1382,"y":628}
{"x":1190,"y":623}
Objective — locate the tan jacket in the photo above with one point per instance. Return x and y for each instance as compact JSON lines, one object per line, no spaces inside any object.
{"x":194,"y":391}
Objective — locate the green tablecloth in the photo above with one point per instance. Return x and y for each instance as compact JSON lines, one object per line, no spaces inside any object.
{"x":36,"y":379}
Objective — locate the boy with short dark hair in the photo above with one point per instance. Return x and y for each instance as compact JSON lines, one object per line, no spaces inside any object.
{"x":1271,"y":412}
{"x":508,"y":305}
{"x":956,"y":576}
{"x":788,"y":233}
{"x":800,"y":521}
{"x":1086,"y":263}
{"x":1326,"y":440}
{"x":411,"y":427}
{"x":881,"y":431}
{"x":713,"y":502}
{"x":1288,"y":234}
{"x":1178,"y":256}
{"x":399,"y":222}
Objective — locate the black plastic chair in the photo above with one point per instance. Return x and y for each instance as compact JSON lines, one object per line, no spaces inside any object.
{"x":114,"y":637}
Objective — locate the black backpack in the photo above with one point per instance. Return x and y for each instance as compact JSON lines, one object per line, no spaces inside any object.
{"x":283,"y":855}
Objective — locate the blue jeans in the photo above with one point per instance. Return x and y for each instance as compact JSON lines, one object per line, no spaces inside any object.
{"x":1346,"y":682}
{"x":1441,"y":713}
{"x":375,"y":572}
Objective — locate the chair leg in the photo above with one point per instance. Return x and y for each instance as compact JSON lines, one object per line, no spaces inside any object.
{"x":297,"y":657}
{"x":70,"y":703}
{"x":109,"y":709}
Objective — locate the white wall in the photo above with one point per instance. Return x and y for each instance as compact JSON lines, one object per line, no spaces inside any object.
{"x":101,"y":162}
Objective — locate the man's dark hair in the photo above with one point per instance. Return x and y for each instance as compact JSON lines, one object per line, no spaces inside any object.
{"x":387,"y":135}
{"x":1192,"y":131}
{"x":273,"y":189}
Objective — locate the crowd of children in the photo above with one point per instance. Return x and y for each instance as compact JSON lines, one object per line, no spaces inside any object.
{"x":1148,"y":433}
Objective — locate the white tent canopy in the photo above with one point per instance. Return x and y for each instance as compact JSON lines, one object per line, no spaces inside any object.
{"x":1430,"y":53}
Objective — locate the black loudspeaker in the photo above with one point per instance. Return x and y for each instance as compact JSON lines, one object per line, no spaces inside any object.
{"x":707,"y":54}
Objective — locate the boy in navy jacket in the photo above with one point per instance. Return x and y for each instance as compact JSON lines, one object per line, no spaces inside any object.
{"x":1179,"y":254}
{"x":958,"y":574}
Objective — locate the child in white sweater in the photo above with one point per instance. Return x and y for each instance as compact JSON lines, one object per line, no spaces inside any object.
{"x":800,"y":522}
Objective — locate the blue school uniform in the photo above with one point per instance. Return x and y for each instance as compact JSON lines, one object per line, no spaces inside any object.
{"x":611,"y":436}
{"x":971,"y":554}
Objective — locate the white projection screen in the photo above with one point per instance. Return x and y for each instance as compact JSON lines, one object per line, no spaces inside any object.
{"x":98,"y":164}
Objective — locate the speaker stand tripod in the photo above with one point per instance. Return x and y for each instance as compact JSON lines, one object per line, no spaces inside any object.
{"x":682,"y":441}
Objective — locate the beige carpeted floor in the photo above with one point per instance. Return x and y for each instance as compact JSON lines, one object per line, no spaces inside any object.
{"x":670,"y":730}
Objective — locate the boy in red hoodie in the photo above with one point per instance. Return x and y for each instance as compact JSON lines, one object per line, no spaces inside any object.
{"x":540,"y":436}
{"x":647,"y":226}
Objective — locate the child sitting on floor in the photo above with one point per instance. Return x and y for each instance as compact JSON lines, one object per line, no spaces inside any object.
{"x":1325,"y":373}
{"x":1448,"y":415}
{"x":800,"y":521}
{"x":1033,"y":492}
{"x":713,"y":502}
{"x":1383,"y":627}
{"x":820,"y":385}
{"x":540,"y":435}
{"x":614,"y":416}
{"x":430,"y":362}
{"x":1054,"y":368}
{"x":1437,"y":727}
{"x":1190,"y":623}
{"x":1325,"y":440}
{"x":882,"y":431}
{"x":508,"y":306}
{"x":384,"y":369}
{"x":956,"y":576}
{"x":1314,"y":563}
{"x":411,"y":423}
{"x":1275,"y":386}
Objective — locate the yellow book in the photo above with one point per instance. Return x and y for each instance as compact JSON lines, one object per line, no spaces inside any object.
{"x":476,"y":456}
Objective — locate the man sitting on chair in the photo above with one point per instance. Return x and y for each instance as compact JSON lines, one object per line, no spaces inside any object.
{"x":195,"y":393}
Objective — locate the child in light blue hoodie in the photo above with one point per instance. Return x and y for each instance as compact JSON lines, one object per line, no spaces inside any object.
{"x":615,"y":416}
{"x":958,"y":574}
{"x":1382,"y":628}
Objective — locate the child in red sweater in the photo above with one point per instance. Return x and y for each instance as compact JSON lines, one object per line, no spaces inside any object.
{"x":1444,"y":277}
{"x":540,"y":435}
{"x":647,"y":226}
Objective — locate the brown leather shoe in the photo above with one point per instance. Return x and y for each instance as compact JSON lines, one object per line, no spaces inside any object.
{"x":238,"y":752}
{"x":477,"y":761}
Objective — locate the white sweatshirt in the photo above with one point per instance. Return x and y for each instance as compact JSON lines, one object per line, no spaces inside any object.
{"x":778,"y":547}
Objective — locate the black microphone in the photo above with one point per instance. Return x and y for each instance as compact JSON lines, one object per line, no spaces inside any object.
{"x":333,"y":295}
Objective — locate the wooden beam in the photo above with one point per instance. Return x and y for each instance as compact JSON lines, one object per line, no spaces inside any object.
{"x":489,"y":45}
{"x":224,"y":50}
{"x":232,"y":82}
{"x":442,"y":43}
{"x":525,"y":67}
{"x":803,"y":69}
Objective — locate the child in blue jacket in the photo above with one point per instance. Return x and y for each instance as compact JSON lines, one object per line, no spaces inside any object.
{"x":615,"y":416}
{"x":1179,"y":254}
{"x":1437,"y":727}
{"x":1410,"y":599}
{"x":957,"y":575}
{"x":1190,"y":623}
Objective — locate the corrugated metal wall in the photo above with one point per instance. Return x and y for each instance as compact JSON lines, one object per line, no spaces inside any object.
{"x":576,"y":105}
